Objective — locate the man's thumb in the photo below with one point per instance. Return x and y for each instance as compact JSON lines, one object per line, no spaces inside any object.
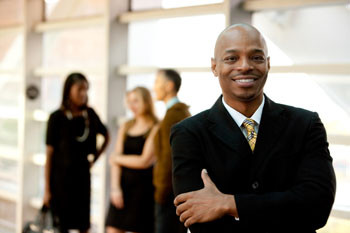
{"x":206,"y":179}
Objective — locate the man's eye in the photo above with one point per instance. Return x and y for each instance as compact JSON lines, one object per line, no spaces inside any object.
{"x":258,"y":58}
{"x":230,"y":59}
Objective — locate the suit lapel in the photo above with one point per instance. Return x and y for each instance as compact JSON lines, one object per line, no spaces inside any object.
{"x":272,"y":123}
{"x":225,"y":128}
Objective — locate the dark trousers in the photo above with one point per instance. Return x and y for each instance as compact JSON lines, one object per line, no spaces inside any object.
{"x":166,"y":219}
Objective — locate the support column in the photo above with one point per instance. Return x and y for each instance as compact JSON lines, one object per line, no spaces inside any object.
{"x":30,"y":132}
{"x":115,"y":87}
{"x":236,"y":13}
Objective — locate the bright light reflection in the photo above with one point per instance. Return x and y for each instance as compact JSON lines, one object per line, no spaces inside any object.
{"x":176,"y":42}
{"x":187,"y":41}
{"x":341,"y":163}
{"x":301,"y":91}
{"x":277,"y":56}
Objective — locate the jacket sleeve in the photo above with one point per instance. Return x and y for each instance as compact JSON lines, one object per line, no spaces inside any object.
{"x":165,"y":190}
{"x":307,"y":204}
{"x":187,"y":164}
{"x":187,"y":167}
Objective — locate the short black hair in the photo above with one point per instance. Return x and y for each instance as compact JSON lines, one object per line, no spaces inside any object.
{"x":173,"y":76}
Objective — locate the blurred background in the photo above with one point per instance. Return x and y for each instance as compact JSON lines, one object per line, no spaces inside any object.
{"x":119,"y":44}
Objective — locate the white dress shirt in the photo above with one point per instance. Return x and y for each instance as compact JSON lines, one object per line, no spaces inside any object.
{"x":239,"y":117}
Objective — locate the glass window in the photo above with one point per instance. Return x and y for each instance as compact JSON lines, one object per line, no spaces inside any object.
{"x":9,"y":95}
{"x":9,"y":132}
{"x":7,"y":216}
{"x":51,"y":93}
{"x":199,"y":90}
{"x":78,"y":50}
{"x":10,"y":92}
{"x":309,"y":35}
{"x":10,"y":60}
{"x":10,"y":51}
{"x":57,"y":9}
{"x":340,"y":154}
{"x":302,"y":90}
{"x":74,"y":48}
{"x":11,"y":12}
{"x":172,"y":43}
{"x":8,"y":176}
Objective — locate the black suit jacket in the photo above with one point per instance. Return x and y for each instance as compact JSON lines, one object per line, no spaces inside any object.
{"x":286,"y":185}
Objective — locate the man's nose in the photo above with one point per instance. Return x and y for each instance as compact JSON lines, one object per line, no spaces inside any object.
{"x":244,"y":65}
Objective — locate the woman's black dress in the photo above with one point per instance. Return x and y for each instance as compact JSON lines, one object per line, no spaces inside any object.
{"x":70,"y":168}
{"x":137,"y":214}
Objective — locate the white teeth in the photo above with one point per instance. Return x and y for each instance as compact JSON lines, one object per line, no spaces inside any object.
{"x":244,"y":80}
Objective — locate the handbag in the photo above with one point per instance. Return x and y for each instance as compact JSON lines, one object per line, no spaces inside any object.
{"x":45,"y":222}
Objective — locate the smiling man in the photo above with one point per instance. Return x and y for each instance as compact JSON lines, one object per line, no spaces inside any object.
{"x":249,"y":164}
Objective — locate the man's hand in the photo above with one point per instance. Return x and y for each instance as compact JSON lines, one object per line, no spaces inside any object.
{"x":204,"y":205}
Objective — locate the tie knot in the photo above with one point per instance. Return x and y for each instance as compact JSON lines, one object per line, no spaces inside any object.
{"x":249,"y":124}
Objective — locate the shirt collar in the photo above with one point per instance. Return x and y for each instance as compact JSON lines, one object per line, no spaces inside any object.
{"x":172,"y":102}
{"x":239,"y":117}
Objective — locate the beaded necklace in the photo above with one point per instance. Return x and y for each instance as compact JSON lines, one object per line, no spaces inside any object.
{"x":85,"y":135}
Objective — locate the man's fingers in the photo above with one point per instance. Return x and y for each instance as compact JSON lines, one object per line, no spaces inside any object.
{"x":206,"y":179}
{"x":185,"y":215}
{"x":178,"y":199}
{"x":190,"y":221}
{"x":182,"y":208}
{"x":182,"y":198}
{"x":188,"y":218}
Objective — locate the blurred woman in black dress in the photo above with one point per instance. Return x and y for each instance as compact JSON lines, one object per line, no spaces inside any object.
{"x":70,"y":152}
{"x":132,"y":201}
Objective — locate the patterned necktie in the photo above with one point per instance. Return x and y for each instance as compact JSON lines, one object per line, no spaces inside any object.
{"x":251,"y":134}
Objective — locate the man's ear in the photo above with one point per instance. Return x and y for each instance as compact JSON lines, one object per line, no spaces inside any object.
{"x":169,"y":86}
{"x":213,"y":67}
{"x":268,"y":63}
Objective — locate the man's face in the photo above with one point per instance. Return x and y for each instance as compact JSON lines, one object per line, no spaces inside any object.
{"x":160,"y":87}
{"x":241,"y":63}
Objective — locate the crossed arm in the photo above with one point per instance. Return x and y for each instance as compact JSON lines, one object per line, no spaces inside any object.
{"x":204,"y":205}
{"x":143,"y":161}
{"x":308,"y":199}
{"x":117,"y":160}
